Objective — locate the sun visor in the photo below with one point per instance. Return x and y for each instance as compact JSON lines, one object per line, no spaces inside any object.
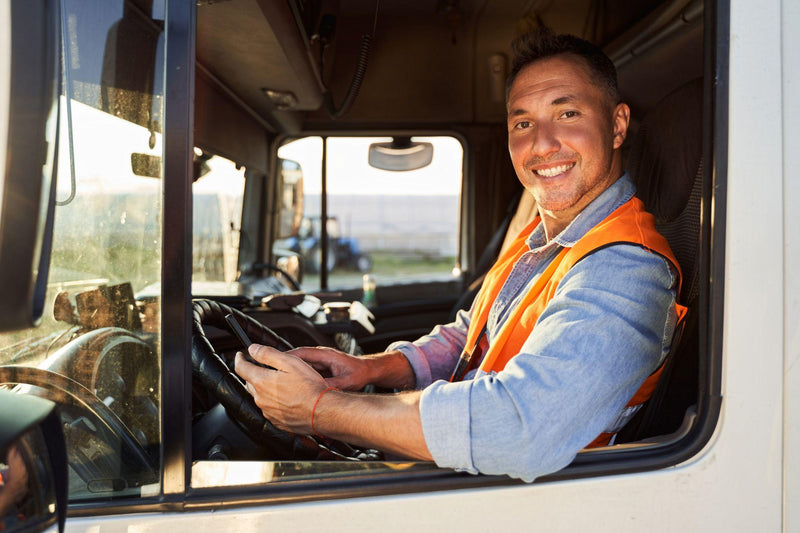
{"x":224,"y":128}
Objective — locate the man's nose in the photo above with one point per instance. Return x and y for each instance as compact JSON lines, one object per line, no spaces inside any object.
{"x":544,"y":141}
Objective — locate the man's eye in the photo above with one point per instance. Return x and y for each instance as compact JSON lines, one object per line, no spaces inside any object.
{"x":523,"y":124}
{"x":569,"y":114}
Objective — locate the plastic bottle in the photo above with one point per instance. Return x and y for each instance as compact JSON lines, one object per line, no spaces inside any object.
{"x":368,"y":295}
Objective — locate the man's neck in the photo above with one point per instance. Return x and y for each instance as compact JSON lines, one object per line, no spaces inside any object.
{"x":552,"y":224}
{"x":555,"y":222}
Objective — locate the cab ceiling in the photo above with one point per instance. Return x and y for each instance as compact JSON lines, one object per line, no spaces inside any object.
{"x":429,"y":61}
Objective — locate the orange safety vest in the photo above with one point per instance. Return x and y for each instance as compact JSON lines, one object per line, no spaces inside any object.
{"x":629,"y":223}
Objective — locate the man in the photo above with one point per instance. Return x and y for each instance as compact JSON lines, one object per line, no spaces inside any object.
{"x":571,"y":324}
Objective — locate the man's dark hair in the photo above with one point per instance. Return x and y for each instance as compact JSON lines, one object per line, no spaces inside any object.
{"x":543,"y":43}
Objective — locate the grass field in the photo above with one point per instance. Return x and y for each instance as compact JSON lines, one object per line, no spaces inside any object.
{"x":388,"y":268}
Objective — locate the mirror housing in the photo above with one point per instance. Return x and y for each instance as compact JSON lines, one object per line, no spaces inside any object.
{"x":33,"y":464}
{"x":400,"y":155}
{"x":29,"y":47}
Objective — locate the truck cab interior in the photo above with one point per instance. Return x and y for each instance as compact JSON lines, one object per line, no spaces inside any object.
{"x":385,"y":116}
{"x":367,"y":69}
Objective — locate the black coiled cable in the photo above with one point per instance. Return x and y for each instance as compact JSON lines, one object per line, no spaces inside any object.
{"x":355,"y":83}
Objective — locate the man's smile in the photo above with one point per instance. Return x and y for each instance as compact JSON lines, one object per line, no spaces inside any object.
{"x":550,"y":172}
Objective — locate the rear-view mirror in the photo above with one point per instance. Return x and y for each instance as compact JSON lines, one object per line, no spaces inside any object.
{"x":400,"y":155}
{"x":146,"y":165}
{"x":149,"y":166}
{"x":28,"y":127}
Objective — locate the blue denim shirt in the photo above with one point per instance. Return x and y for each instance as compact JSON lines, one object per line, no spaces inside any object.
{"x":608,"y":326}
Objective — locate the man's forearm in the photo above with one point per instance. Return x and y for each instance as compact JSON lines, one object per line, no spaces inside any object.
{"x":388,"y":422}
{"x":390,"y":370}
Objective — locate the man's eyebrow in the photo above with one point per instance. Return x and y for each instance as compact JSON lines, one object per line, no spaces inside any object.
{"x":561,"y":100}
{"x":566,"y":99}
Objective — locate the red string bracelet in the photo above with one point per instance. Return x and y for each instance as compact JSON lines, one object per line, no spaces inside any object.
{"x":314,"y":409}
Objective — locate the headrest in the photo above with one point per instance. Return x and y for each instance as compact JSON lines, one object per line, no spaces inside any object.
{"x":665,"y":153}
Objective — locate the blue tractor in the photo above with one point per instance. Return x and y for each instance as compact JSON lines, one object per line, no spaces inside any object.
{"x":343,"y":252}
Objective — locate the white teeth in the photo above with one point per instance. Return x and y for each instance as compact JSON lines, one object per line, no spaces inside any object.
{"x":554,"y":171}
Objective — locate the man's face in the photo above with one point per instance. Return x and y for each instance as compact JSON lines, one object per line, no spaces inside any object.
{"x":563,"y":133}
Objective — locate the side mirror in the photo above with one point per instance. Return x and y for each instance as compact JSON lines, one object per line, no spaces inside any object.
{"x":29,"y":49}
{"x":400,"y":155}
{"x":33,"y":464}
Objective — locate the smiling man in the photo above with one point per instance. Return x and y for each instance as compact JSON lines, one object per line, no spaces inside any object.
{"x":567,"y":336}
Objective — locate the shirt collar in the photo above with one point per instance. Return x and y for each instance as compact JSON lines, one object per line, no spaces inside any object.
{"x":617,"y":194}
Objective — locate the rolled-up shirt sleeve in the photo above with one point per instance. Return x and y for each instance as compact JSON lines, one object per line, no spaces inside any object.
{"x":605,"y":330}
{"x":434,"y":356}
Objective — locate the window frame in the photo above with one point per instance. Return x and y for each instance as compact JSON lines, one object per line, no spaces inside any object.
{"x":176,"y":275}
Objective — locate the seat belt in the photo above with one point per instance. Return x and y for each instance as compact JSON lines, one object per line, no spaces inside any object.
{"x":490,"y":251}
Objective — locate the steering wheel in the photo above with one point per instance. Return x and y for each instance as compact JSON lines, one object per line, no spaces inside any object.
{"x":133,"y":457}
{"x":213,"y":374}
{"x":288,"y":278}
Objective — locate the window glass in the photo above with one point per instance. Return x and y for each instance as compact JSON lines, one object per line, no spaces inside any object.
{"x":216,"y":219}
{"x":97,"y":350}
{"x":396,"y":226}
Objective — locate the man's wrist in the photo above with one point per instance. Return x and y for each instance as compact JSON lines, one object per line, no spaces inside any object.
{"x":390,"y":370}
{"x":314,"y":409}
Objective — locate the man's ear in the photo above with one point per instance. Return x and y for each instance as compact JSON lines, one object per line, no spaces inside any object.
{"x":621,"y":118}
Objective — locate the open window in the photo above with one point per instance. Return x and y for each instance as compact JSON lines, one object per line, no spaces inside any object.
{"x":311,"y":220}
{"x":280,"y":186}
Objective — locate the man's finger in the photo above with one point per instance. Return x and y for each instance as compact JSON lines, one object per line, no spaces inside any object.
{"x":314,"y":356}
{"x":244,"y":368}
{"x":278,"y":360}
{"x":340,"y":382}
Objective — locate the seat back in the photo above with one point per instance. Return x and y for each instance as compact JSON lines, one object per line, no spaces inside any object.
{"x":665,"y":161}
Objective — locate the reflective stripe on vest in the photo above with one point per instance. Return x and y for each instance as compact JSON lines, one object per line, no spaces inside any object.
{"x":629,"y":224}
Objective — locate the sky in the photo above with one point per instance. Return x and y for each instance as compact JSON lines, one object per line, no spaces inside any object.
{"x":350,"y":174}
{"x":102,"y":147}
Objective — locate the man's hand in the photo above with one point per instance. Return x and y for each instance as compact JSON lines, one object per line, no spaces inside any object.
{"x":285,"y":396}
{"x":341,"y":370}
{"x":390,"y":370}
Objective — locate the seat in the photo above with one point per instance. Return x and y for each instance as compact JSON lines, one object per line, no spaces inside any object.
{"x":665,"y":161}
